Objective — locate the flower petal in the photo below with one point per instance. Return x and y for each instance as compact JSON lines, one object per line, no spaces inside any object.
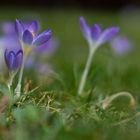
{"x":27,"y":37}
{"x":42,"y":38}
{"x":84,"y":27}
{"x":6,"y":57}
{"x":107,"y":35}
{"x":19,"y":28}
{"x":19,"y":57}
{"x":11,"y":60}
{"x":34,"y":27}
{"x":95,"y":31}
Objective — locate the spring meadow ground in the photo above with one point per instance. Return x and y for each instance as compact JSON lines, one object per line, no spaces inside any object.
{"x":49,"y":107}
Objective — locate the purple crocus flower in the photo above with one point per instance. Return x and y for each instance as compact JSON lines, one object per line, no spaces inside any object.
{"x":95,"y":37}
{"x":121,"y":45}
{"x":13,"y":59}
{"x":29,"y":35}
{"x":94,"y":34}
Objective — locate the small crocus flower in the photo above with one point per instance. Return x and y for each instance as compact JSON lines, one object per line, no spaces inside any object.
{"x":29,"y":35}
{"x":121,"y":45}
{"x":13,"y":59}
{"x":10,"y":43}
{"x":94,"y":34}
{"x":95,"y":37}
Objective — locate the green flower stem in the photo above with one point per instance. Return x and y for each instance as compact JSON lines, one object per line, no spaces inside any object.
{"x":10,"y":82}
{"x":18,"y":87}
{"x":26,"y":50}
{"x":86,"y":70}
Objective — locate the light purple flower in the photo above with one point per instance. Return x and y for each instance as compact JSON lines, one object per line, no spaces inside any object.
{"x":94,"y":34}
{"x":13,"y":59}
{"x":9,"y":42}
{"x":121,"y":45}
{"x":9,"y":38}
{"x":29,"y":35}
{"x":8,"y":28}
{"x":48,"y":48}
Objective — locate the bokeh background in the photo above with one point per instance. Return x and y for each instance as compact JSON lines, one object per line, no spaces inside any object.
{"x":72,"y":3}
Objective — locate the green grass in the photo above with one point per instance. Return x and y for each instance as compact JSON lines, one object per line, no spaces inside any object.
{"x":54,"y":111}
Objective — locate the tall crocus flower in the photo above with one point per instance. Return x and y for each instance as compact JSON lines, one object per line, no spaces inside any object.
{"x":29,"y":38}
{"x":95,"y":38}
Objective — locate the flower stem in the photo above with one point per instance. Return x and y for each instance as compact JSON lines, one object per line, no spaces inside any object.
{"x":86,"y":70}
{"x":9,"y":84}
{"x":18,"y":87}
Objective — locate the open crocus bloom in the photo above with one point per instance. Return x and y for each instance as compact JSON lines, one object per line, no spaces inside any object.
{"x":94,"y":34}
{"x":29,"y":35}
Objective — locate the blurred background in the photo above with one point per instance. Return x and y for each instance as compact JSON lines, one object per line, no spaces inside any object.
{"x":113,"y":4}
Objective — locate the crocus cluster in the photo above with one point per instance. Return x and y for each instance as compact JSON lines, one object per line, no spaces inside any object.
{"x":24,"y":36}
{"x":18,"y":42}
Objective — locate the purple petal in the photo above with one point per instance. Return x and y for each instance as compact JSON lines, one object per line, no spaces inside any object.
{"x":84,"y":27}
{"x":27,"y":37}
{"x":11,"y":60}
{"x":42,"y":38}
{"x":19,"y":28}
{"x":34,"y":27}
{"x":108,"y":34}
{"x":6,"y":57}
{"x":95,"y":31}
{"x":19,"y":57}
